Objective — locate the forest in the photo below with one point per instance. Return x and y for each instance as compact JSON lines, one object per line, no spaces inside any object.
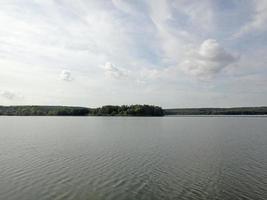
{"x":217,"y":111}
{"x":125,"y":110}
{"x":108,"y":110}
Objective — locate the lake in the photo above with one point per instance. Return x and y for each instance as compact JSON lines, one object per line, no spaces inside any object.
{"x":133,"y":158}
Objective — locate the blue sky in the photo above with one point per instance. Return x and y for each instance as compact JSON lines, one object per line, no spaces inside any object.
{"x":172,"y":53}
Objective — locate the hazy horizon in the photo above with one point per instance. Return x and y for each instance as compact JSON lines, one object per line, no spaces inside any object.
{"x":175,"y":54}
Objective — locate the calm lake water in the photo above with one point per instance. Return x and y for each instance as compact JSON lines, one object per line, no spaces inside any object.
{"x":115,"y":158}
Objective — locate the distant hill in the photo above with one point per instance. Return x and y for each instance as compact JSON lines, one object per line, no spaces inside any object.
{"x":217,"y":111}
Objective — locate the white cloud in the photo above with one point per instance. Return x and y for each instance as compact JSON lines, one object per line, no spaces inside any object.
{"x":130,"y":7}
{"x":9,"y":95}
{"x":170,"y":41}
{"x":113,"y":72}
{"x":65,"y":75}
{"x":258,"y":20}
{"x":200,"y":13}
{"x":208,"y":60}
{"x":176,"y":25}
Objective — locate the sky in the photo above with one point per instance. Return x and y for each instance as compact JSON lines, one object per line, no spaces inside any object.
{"x":171,"y":53}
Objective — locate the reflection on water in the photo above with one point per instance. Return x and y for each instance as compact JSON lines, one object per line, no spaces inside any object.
{"x":133,"y":158}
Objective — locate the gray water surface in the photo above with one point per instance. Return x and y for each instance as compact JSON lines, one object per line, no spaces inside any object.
{"x":124,"y":158}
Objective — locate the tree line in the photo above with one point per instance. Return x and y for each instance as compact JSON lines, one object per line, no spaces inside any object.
{"x":109,"y":110}
{"x":125,"y":110}
{"x":218,"y":111}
